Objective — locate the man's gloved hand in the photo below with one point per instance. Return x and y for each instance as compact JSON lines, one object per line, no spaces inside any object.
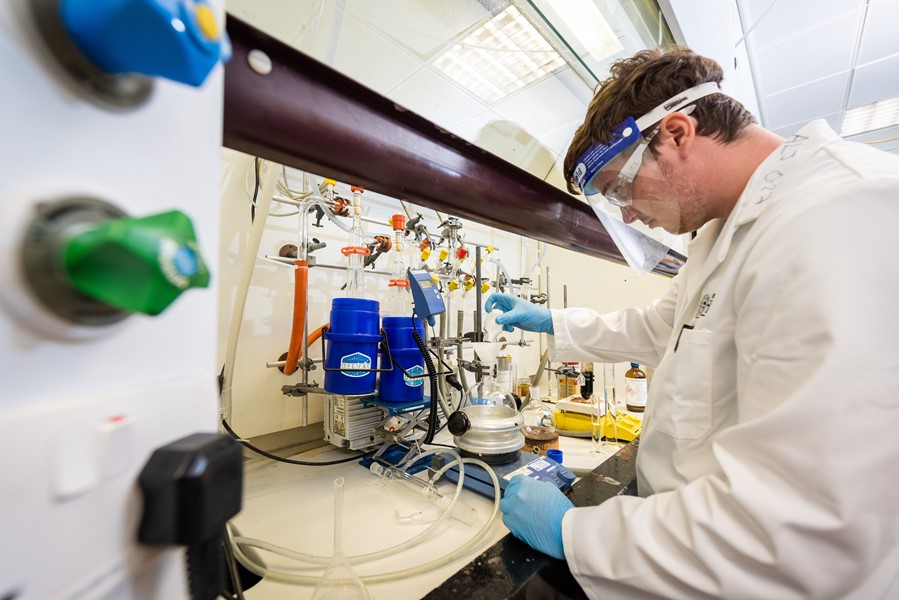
{"x":520,"y":313}
{"x":533,"y":511}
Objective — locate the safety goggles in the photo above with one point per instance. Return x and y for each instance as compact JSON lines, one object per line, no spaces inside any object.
{"x":609,"y":169}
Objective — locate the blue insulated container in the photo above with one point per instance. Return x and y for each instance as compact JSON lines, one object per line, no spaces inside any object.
{"x":352,"y":339}
{"x":395,"y":386}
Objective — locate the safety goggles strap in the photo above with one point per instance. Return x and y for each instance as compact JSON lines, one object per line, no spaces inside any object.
{"x":674,"y":104}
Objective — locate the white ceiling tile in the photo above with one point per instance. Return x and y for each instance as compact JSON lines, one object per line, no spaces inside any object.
{"x":435,"y":98}
{"x":294,"y":23}
{"x":788,"y":17}
{"x":753,"y":10}
{"x":808,"y":56}
{"x":423,"y":26}
{"x":547,"y":104}
{"x":833,"y":119}
{"x":875,"y":81}
{"x":880,"y":37}
{"x":807,"y":102}
{"x":372,"y":59}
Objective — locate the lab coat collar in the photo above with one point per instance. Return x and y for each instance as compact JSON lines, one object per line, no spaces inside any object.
{"x":787,"y":159}
{"x":765,"y":186}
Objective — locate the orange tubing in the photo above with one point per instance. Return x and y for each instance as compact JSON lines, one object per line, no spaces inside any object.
{"x":301,"y":278}
{"x":313,"y":337}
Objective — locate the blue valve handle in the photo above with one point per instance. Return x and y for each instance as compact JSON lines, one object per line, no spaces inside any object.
{"x":174,"y":39}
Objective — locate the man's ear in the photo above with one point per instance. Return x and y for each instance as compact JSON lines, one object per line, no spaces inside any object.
{"x":677,"y":132}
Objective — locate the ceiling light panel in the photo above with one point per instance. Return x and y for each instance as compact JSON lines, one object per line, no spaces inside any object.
{"x":500,"y":57}
{"x":877,"y":115}
{"x":589,"y":26}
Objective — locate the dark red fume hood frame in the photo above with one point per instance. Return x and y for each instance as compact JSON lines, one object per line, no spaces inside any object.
{"x":305,"y":114}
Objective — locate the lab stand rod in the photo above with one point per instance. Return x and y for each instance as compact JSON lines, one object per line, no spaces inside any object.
{"x":460,"y":326}
{"x":304,"y":232}
{"x":545,"y":363}
{"x":548,"y":305}
{"x":277,"y":364}
{"x":478,"y":327}
{"x":306,"y":115}
{"x":444,"y":329}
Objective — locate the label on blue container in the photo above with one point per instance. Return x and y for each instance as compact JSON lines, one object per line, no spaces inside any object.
{"x":358,"y":360}
{"x":416,"y":381}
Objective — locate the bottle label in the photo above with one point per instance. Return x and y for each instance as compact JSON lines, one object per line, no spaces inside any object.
{"x":635,"y":392}
{"x":355,"y":360}
{"x":414,"y":381}
{"x":568,"y":386}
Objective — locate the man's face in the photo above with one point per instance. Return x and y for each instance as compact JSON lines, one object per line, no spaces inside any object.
{"x":664,"y":195}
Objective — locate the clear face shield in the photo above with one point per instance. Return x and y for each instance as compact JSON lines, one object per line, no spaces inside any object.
{"x":606,"y":174}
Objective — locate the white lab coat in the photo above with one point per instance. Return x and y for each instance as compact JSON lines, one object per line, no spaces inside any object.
{"x":768,"y":459}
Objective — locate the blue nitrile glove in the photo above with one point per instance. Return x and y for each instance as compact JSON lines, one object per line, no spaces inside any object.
{"x":533,"y":511}
{"x":520,"y":313}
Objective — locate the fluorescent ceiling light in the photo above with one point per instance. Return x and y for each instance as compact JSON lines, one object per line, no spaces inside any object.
{"x":877,"y":115}
{"x":589,"y":26}
{"x":501,"y":56}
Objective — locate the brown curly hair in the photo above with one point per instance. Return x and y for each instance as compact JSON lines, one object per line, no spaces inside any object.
{"x":642,"y":82}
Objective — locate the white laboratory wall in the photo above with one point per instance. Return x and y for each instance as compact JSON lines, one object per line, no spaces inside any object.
{"x":259,"y":407}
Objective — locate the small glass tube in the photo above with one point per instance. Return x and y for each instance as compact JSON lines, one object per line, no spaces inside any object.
{"x":608,"y":384}
{"x":355,"y":276}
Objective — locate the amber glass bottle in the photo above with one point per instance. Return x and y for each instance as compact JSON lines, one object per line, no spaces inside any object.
{"x":635,"y":390}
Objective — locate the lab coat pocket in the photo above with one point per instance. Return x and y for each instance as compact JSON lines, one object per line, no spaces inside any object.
{"x":684,"y":408}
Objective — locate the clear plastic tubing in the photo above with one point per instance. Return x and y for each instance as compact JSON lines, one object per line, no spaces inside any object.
{"x":425,"y":491}
{"x":299,"y":579}
{"x":362,"y":558}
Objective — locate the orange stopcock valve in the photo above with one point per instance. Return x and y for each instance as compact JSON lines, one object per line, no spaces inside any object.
{"x":461,"y":253}
{"x":398,"y":222}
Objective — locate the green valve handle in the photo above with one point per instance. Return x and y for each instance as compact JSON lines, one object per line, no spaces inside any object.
{"x":136,"y":264}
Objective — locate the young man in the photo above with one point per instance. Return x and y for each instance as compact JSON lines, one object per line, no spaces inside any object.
{"x":767,"y":459}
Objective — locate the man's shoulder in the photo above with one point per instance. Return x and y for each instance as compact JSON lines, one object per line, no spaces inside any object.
{"x":846,"y":172}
